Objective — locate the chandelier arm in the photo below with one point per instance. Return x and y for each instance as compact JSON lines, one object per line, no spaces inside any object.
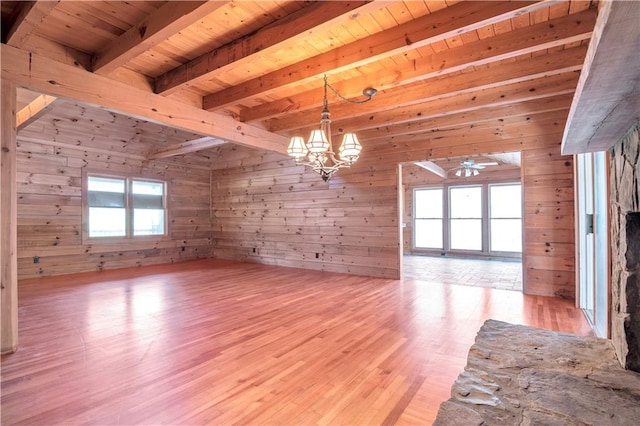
{"x":350,"y":101}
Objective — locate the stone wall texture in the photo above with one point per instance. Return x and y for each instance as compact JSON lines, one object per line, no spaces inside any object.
{"x":625,"y":248}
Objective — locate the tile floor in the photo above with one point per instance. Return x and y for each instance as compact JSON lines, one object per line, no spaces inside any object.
{"x":506,"y":275}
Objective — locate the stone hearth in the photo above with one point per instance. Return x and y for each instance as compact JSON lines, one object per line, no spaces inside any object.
{"x":518,"y":375}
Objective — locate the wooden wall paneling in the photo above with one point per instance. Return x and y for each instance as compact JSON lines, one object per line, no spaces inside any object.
{"x":347,"y":225}
{"x":50,"y":212}
{"x":8,"y":220}
{"x":549,"y":247}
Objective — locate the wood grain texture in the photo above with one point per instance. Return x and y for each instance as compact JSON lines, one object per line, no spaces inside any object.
{"x":216,"y":342}
{"x":8,"y":220}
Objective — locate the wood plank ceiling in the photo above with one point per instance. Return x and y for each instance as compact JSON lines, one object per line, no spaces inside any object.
{"x":474,"y":71}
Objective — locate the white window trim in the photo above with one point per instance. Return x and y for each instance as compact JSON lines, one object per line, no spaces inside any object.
{"x":129,"y":237}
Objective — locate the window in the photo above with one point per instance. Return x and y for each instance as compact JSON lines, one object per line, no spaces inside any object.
{"x":465,"y":218}
{"x":123,"y":207}
{"x":482,"y":219}
{"x":505,"y":211}
{"x":428,"y":218}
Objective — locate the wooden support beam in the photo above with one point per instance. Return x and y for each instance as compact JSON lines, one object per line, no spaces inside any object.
{"x":28,"y":19}
{"x":519,"y":42}
{"x":187,"y":147}
{"x":432,"y":167}
{"x":293,"y":29}
{"x":451,"y":21}
{"x":36,"y":109}
{"x":509,"y":94}
{"x":607,"y":100}
{"x":8,"y":220}
{"x":47,"y":76}
{"x":166,"y":21}
{"x":499,"y":75}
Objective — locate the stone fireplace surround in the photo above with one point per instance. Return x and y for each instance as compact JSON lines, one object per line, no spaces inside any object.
{"x":625,"y":248}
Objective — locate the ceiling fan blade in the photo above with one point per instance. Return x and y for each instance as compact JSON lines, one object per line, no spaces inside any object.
{"x":493,"y":163}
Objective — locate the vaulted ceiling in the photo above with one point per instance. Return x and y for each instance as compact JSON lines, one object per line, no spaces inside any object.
{"x":251,"y":72}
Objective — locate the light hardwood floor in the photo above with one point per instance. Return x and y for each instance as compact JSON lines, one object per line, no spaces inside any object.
{"x":217,"y":342}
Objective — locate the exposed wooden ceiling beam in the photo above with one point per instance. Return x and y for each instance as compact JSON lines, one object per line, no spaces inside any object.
{"x":186,"y":147}
{"x":496,"y":114}
{"x":558,"y":32}
{"x":30,"y":16}
{"x":433,"y":168}
{"x":498,"y":75}
{"x":36,"y":109}
{"x":607,"y":100}
{"x":293,"y":29}
{"x":48,"y":76}
{"x":498,"y":96}
{"x":166,"y":21}
{"x":451,"y":21}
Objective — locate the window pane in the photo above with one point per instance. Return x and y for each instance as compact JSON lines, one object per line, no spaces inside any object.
{"x":428,"y":233}
{"x":148,"y":222}
{"x":145,"y":201}
{"x":466,"y":202}
{"x":506,"y":235}
{"x":107,"y":222}
{"x":505,"y":201}
{"x":105,"y":184}
{"x":428,"y":203}
{"x":466,"y":234}
{"x":105,"y":199}
{"x":148,"y":188}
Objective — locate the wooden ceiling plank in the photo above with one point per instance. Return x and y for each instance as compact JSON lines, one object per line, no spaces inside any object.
{"x":48,"y":76}
{"x":498,"y":96}
{"x":36,"y":109}
{"x":168,"y":20}
{"x":288,"y":31}
{"x":607,"y":99}
{"x":30,"y":16}
{"x":186,"y":147}
{"x":454,"y":20}
{"x":500,"y":75}
{"x":503,"y":112}
{"x":519,"y":42}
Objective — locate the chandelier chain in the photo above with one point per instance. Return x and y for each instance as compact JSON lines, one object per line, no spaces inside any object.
{"x":350,"y":101}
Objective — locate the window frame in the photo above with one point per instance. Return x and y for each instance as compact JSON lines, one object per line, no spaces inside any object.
{"x":485,"y":221}
{"x":445,"y":212}
{"x":129,"y":209}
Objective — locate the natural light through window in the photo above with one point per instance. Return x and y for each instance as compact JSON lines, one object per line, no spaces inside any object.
{"x":428,"y":214}
{"x":505,"y":210}
{"x":465,"y":217}
{"x":125,"y":207}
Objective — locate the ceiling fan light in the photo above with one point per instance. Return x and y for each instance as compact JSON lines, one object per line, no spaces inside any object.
{"x":350,"y":148}
{"x":297,"y":148}
{"x":467,"y":172}
{"x":318,"y":142}
{"x":475,"y":172}
{"x":458,"y":172}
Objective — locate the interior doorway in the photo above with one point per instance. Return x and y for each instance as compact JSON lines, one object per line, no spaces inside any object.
{"x":461,"y":221}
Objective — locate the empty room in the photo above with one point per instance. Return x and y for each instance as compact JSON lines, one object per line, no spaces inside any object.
{"x":320,"y":212}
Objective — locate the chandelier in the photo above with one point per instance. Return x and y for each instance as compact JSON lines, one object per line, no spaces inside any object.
{"x":318,"y":150}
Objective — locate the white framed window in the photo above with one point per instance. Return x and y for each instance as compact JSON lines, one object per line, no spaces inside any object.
{"x":428,"y":214}
{"x":505,"y":218}
{"x":123,"y":207}
{"x":465,"y":218}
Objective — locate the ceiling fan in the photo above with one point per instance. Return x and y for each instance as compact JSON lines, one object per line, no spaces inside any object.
{"x":470,"y":167}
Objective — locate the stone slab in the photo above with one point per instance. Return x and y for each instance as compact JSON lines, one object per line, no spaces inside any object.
{"x":519,"y":375}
